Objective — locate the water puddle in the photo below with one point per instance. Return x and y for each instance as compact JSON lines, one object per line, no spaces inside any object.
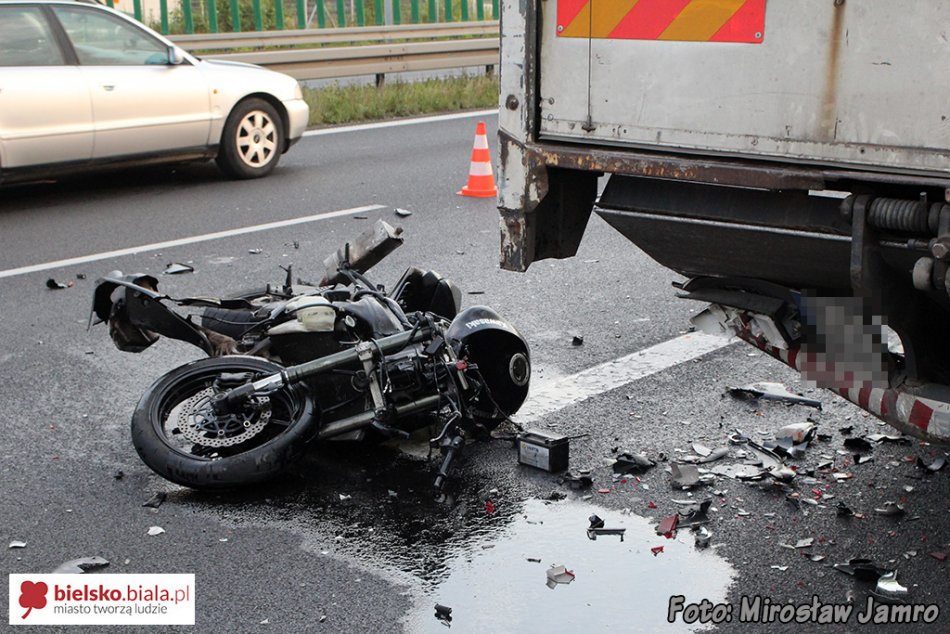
{"x":499,"y":585}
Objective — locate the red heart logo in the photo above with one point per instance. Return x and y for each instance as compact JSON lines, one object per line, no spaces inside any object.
{"x":32,"y":595}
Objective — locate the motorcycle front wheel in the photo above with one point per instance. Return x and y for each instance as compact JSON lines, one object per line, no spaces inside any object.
{"x":179,"y":436}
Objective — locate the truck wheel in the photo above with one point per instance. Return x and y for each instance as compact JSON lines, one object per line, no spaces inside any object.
{"x":252,"y":141}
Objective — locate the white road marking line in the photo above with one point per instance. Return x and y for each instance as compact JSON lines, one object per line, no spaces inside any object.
{"x":566,"y":391}
{"x":401,"y":122}
{"x":155,"y":246}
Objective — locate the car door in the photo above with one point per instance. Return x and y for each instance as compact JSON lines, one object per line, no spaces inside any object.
{"x":141,"y":104}
{"x":45,"y":108}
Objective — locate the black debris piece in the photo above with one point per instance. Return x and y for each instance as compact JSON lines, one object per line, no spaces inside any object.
{"x":595,"y":521}
{"x":56,"y":286}
{"x":862,"y":569}
{"x":443,"y":613}
{"x":843,"y":510}
{"x":118,"y":475}
{"x":80,"y":276}
{"x":846,"y":431}
{"x":694,"y":514}
{"x":81,"y":565}
{"x":534,"y":560}
{"x":580,"y":481}
{"x":772,"y":392}
{"x":556,"y":496}
{"x":934,"y":466}
{"x":476,"y":292}
{"x":176,"y":268}
{"x":359,"y":217}
{"x":577,"y":340}
{"x":156,"y":500}
{"x":632,"y":463}
{"x":857,"y":444}
{"x":823,"y":437}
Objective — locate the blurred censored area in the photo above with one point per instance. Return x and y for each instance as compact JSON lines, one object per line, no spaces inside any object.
{"x":844,"y":344}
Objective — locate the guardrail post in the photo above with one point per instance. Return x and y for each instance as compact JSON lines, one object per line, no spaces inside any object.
{"x":302,"y":14}
{"x":258,"y":17}
{"x":340,"y":13}
{"x":433,"y":11}
{"x":379,"y":11}
{"x":413,"y":11}
{"x":186,"y":13}
{"x":110,"y":4}
{"x":464,"y":10}
{"x":448,"y":10}
{"x":212,"y":16}
{"x":278,"y":14}
{"x":235,"y":16}
{"x":360,"y":16}
{"x":494,"y":9}
{"x":137,"y":9}
{"x":397,"y":12}
{"x":163,"y":9}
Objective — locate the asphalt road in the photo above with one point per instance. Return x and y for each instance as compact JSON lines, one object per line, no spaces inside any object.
{"x":301,"y":556}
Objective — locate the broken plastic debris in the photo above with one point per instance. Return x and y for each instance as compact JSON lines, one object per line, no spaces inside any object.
{"x":80,"y":566}
{"x":344,"y":496}
{"x":656,"y":550}
{"x":939,"y":556}
{"x":577,"y":340}
{"x":17,"y":544}
{"x":684,"y":476}
{"x":782,"y":568}
{"x":595,"y":521}
{"x":255,"y":251}
{"x":156,"y":500}
{"x":934,"y":466}
{"x":843,"y":510}
{"x":443,"y":613}
{"x":805,"y":543}
{"x":772,"y":392}
{"x":702,"y":537}
{"x":155,"y":530}
{"x":176,"y":268}
{"x":798,"y":432}
{"x":54,"y":285}
{"x":632,"y":463}
{"x":894,"y":438}
{"x":667,"y":525}
{"x":403,"y":213}
{"x":890,"y":508}
{"x":597,"y":528}
{"x":887,"y":585}
{"x":559,"y":574}
{"x":489,"y":507}
{"x":701,"y":449}
{"x":715,"y":454}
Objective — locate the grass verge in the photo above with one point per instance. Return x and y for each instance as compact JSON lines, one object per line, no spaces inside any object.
{"x":352,"y":104}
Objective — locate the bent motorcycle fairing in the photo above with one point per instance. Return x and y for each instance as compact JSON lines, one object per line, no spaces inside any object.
{"x":294,"y":363}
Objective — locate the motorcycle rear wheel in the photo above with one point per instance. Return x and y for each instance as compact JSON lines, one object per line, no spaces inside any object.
{"x":213,"y":452}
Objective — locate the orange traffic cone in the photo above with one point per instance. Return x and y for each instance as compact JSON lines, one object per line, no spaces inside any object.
{"x":481,"y":183}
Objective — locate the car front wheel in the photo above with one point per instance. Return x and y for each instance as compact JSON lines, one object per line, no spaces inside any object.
{"x":252,"y":140}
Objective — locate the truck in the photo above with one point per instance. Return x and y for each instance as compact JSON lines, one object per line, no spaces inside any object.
{"x":789,"y":158}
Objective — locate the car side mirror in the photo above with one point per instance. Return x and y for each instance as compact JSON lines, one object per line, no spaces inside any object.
{"x":175,"y":58}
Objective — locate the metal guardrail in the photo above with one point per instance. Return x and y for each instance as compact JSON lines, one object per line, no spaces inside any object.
{"x":317,"y":37}
{"x":330,"y":62}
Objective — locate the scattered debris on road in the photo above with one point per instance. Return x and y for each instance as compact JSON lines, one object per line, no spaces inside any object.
{"x":403,"y":213}
{"x":156,"y":500}
{"x":772,"y":392}
{"x":176,"y":268}
{"x":155,"y":530}
{"x":627,"y":463}
{"x":81,"y":566}
{"x":55,"y":286}
{"x":443,"y":613}
{"x":559,"y":575}
{"x":17,"y":544}
{"x":577,"y":340}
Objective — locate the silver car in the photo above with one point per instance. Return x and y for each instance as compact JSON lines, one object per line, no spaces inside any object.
{"x":83,"y":86}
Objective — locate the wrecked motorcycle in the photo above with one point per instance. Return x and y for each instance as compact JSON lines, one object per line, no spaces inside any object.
{"x":295,"y":363}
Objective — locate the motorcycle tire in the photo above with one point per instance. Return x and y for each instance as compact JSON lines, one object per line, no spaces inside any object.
{"x":217,"y":460}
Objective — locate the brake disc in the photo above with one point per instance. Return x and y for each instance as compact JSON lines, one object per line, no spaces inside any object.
{"x":200,"y":425}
